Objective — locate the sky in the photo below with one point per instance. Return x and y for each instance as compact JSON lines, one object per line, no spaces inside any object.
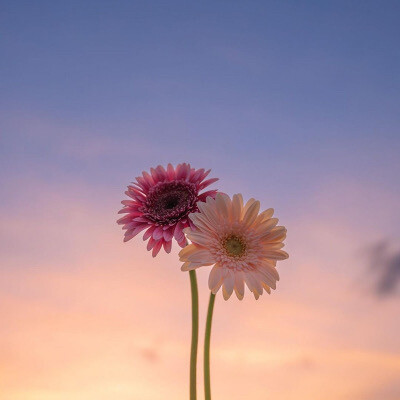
{"x":293,"y":103}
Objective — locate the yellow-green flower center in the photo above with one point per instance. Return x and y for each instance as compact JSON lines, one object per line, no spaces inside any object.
{"x":234,"y":246}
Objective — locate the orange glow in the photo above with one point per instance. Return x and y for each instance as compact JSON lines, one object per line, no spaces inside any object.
{"x":86,"y":317}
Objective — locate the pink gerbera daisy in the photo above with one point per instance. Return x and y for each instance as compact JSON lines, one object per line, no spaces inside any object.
{"x":161,"y":202}
{"x":242,"y":244}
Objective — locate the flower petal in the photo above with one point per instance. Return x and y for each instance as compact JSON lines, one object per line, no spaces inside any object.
{"x":168,"y":234}
{"x":237,"y":205}
{"x":251,"y":214}
{"x":158,"y":233}
{"x":201,"y":255}
{"x":215,"y":277}
{"x":239,"y":285}
{"x":197,"y":237}
{"x":222,"y":206}
{"x":149,"y":232}
{"x":167,"y":246}
{"x":186,"y":251}
{"x":208,"y":182}
{"x":157,"y":248}
{"x":228,"y":285}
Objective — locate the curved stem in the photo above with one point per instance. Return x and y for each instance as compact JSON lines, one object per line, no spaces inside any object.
{"x":195,"y":333}
{"x":207,"y":382}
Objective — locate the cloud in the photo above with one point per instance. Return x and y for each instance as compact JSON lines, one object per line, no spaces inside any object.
{"x":385,"y":263}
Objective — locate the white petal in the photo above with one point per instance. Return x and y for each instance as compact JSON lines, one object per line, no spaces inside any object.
{"x":264,"y":216}
{"x":210,"y":225}
{"x":271,"y":270}
{"x":186,"y":251}
{"x":201,"y":256}
{"x":229,"y":283}
{"x":209,"y":214}
{"x":249,"y":280}
{"x":227,"y":287}
{"x":248,"y":205}
{"x":251,"y":213}
{"x":276,"y":254}
{"x":237,"y":205}
{"x":221,"y":205}
{"x":188,"y":266}
{"x":274,"y":246}
{"x":239,"y":285}
{"x":267,"y":277}
{"x":276,"y":234}
{"x":257,"y":282}
{"x":198,"y":237}
{"x":252,"y":283}
{"x":200,"y":224}
{"x":267,"y":214}
{"x":266,"y":226}
{"x":266,"y":287}
{"x":215,"y":277}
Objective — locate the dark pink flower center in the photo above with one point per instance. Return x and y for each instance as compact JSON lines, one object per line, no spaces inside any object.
{"x":169,"y":202}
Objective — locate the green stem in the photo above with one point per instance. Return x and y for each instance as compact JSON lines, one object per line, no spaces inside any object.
{"x":207,"y":383}
{"x":195,"y":333}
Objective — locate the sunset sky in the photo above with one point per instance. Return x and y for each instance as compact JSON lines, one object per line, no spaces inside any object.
{"x":296,"y":104}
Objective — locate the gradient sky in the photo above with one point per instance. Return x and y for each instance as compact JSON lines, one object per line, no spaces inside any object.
{"x":294,"y":103}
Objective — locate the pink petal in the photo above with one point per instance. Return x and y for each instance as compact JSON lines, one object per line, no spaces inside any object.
{"x":158,"y":174}
{"x":211,"y":193}
{"x":149,"y":232}
{"x":182,"y":242}
{"x":130,"y":225}
{"x":157,"y":248}
{"x":130,"y":203}
{"x":143,"y":183}
{"x":130,"y":234}
{"x":151,"y":243}
{"x":131,"y":195}
{"x":162,"y":174}
{"x":124,"y":220}
{"x":171,"y":172}
{"x":131,"y":212}
{"x":167,"y":246}
{"x":207,"y":183}
{"x":148,"y":178}
{"x":178,"y":233}
{"x":158,"y":233}
{"x":182,"y":171}
{"x":168,"y":235}
{"x":138,"y":194}
{"x":205,"y":174}
{"x":141,"y":219}
{"x":195,"y":176}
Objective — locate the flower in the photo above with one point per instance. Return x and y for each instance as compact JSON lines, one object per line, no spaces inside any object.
{"x":242,"y":244}
{"x":161,"y":202}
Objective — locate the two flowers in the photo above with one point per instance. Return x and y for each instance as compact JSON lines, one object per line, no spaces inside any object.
{"x":241,"y":244}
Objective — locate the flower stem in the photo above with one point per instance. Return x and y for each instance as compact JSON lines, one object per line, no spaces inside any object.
{"x":195,"y":333}
{"x":207,"y":383}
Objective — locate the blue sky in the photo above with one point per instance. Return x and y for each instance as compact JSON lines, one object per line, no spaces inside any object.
{"x":280,"y":99}
{"x":246,"y":85}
